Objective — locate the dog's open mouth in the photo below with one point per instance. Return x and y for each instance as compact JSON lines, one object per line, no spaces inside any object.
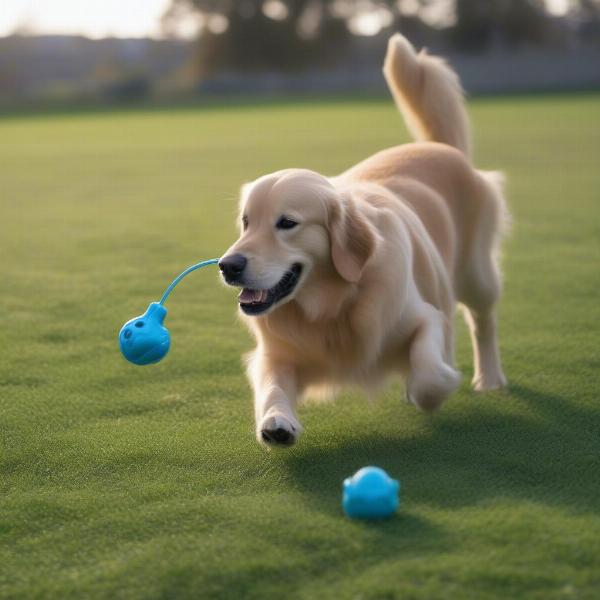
{"x":255,"y":302}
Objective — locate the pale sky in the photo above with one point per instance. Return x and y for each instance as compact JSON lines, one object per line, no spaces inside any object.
{"x":94,"y":18}
{"x":120,"y":18}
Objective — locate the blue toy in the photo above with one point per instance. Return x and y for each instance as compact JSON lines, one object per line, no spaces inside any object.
{"x":145,"y":340}
{"x":370,"y":494}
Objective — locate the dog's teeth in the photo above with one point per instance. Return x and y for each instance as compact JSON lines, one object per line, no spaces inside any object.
{"x":247,"y":296}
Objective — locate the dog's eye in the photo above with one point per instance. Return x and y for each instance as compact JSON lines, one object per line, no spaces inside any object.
{"x":244,"y":222}
{"x":285,"y":223}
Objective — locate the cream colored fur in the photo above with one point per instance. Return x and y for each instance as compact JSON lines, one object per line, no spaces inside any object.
{"x":388,"y":249}
{"x":428,"y":94}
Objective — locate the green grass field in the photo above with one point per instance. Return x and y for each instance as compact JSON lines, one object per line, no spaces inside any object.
{"x":127,"y":482}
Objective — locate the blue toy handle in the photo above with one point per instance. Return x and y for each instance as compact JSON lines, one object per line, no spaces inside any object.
{"x":204,"y":263}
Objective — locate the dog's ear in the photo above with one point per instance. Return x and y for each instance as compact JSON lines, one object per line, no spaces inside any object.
{"x":352,"y":240}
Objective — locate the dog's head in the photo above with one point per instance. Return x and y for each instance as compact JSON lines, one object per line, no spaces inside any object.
{"x":295,"y":227}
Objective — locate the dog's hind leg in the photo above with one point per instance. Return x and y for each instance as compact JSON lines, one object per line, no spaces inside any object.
{"x":431,"y":379}
{"x":480,"y":294}
{"x":488,"y":374}
{"x":480,"y":291}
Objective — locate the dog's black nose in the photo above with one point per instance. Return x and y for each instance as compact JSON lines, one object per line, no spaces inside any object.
{"x":233,"y":266}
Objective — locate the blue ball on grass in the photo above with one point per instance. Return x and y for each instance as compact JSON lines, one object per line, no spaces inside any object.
{"x":370,"y":494}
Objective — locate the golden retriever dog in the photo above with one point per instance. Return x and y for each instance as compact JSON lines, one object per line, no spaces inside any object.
{"x":347,"y":280}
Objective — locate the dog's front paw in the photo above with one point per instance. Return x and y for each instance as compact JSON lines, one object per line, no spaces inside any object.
{"x":277,"y":429}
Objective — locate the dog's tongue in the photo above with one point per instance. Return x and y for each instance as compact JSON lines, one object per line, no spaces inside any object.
{"x":248,"y":296}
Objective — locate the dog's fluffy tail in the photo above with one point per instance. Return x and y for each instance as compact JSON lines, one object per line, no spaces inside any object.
{"x":428,"y":94}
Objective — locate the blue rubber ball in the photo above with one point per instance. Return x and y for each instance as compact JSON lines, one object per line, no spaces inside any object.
{"x":145,"y":340}
{"x":371,"y":494}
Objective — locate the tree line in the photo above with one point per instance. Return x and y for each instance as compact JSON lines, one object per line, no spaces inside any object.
{"x":292,"y":34}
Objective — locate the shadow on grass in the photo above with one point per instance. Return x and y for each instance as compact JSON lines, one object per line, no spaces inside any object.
{"x":538,"y":449}
{"x":379,"y":541}
{"x":544,"y":454}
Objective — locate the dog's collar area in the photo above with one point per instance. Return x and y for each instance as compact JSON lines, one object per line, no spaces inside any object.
{"x":255,"y":302}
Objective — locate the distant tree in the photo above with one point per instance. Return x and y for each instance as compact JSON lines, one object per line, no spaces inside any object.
{"x":590,"y":9}
{"x":290,"y":34}
{"x":481,"y":22}
{"x":589,"y":17}
{"x":258,"y":34}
